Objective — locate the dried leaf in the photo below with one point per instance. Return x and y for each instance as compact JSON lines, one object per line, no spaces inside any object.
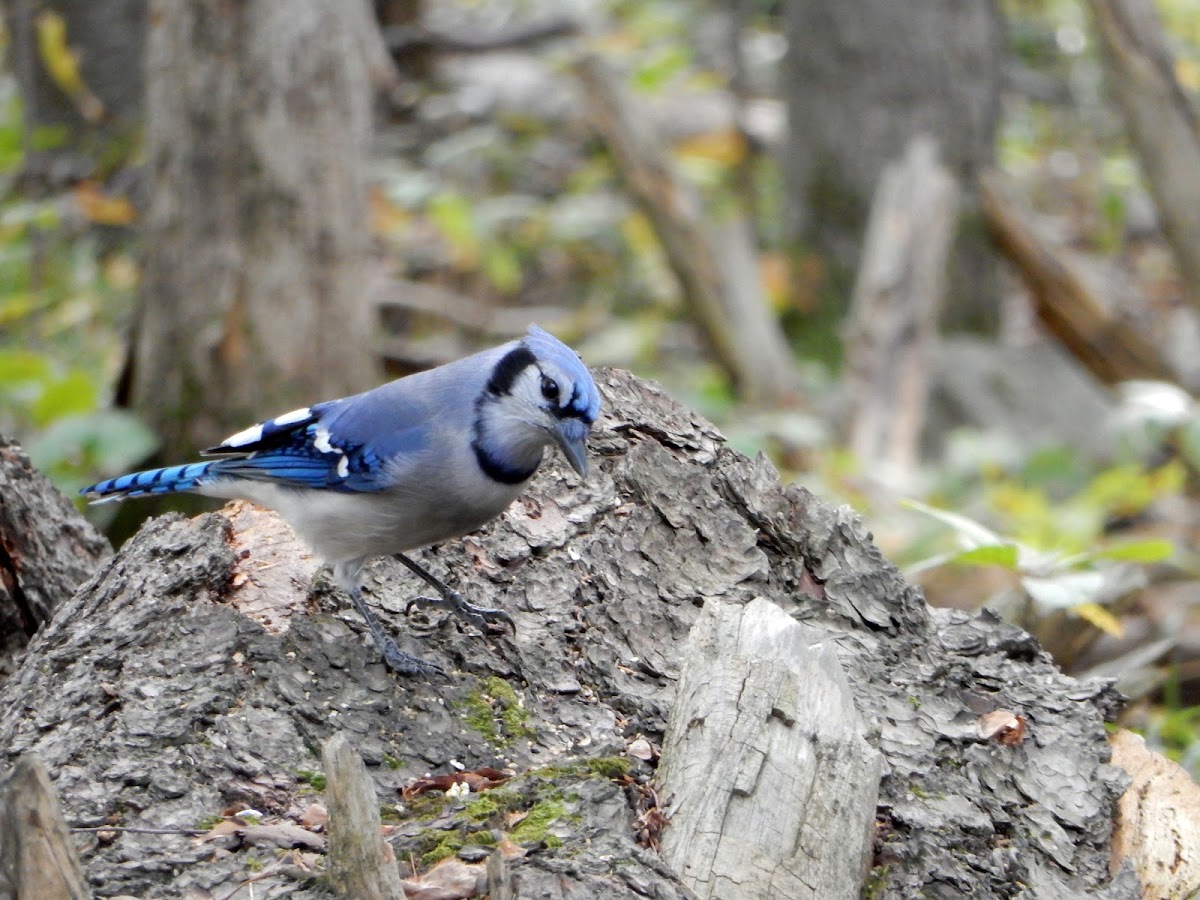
{"x":103,"y":208}
{"x":314,"y":817}
{"x":1003,"y":726}
{"x":450,"y":880}
{"x":642,"y":749}
{"x":478,"y":780}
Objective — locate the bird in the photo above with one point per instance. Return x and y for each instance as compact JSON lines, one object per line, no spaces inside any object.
{"x":420,"y":460}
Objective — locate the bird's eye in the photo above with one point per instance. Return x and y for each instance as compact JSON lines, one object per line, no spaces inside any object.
{"x":550,"y":389}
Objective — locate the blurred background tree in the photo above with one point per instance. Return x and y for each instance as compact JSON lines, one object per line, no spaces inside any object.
{"x":216,"y":212}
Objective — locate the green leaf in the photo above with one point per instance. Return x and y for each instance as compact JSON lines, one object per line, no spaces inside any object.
{"x":1006,"y":555}
{"x":1150,"y":551}
{"x":502,"y":268}
{"x":451,"y":213}
{"x":73,"y":394}
{"x":22,"y":365}
{"x":76,"y":448}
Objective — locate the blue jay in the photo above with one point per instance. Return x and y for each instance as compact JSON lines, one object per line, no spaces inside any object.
{"x":420,"y":460}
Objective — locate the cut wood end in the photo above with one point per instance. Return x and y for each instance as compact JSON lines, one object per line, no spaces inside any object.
{"x":1158,"y":821}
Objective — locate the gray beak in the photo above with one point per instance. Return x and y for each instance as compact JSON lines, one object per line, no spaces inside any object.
{"x":571,"y":436}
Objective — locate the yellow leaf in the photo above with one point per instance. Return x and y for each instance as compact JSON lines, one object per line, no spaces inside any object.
{"x":1097,"y":615}
{"x":102,"y":208}
{"x":727,"y":147}
{"x":1188,"y":73}
{"x":63,"y":65}
{"x":775,"y":270}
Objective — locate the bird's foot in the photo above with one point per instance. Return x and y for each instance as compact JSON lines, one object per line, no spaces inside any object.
{"x":485,"y":618}
{"x":407,"y":664}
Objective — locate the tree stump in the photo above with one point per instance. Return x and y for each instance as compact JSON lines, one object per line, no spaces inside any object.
{"x":173,"y":687}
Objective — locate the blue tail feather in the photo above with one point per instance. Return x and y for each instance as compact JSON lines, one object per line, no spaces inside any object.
{"x":169,"y":480}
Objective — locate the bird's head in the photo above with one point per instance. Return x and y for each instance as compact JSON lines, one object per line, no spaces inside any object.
{"x":540,"y":393}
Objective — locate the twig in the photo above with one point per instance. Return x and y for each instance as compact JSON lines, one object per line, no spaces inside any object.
{"x":192,"y":831}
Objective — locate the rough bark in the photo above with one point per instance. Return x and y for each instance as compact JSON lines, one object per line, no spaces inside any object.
{"x":257,"y":121}
{"x":159,"y":699}
{"x":46,"y":551}
{"x":1160,"y":120}
{"x":864,"y":79}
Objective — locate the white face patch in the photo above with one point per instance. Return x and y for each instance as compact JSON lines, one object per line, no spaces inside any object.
{"x":290,"y":418}
{"x":250,"y":436}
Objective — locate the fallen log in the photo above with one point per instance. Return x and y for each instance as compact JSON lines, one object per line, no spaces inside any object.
{"x":198,"y":672}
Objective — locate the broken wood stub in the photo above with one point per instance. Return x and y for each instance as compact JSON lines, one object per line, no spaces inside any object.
{"x":772,"y":785}
{"x":358,"y":864}
{"x":37,"y":858}
{"x":895,"y":307}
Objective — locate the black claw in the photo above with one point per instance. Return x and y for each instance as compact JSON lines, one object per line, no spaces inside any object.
{"x":484,"y":618}
{"x":407,"y":664}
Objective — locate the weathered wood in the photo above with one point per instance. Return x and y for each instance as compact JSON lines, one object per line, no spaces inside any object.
{"x":724,"y":292}
{"x":158,"y":699}
{"x":773,"y":786}
{"x":1158,"y":821}
{"x":1160,"y":120}
{"x":47,"y":549}
{"x":1103,"y":343}
{"x":358,"y":864}
{"x":893,"y":317}
{"x":37,"y":858}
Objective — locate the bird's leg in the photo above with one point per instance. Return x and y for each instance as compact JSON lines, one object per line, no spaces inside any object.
{"x":397,"y":660}
{"x":480,"y":616}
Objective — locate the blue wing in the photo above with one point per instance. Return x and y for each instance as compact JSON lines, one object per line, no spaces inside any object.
{"x":324,"y":447}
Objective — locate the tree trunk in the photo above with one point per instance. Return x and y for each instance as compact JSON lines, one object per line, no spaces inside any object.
{"x":1160,"y":120}
{"x":197,"y":674}
{"x":862,"y":80}
{"x":258,"y":115}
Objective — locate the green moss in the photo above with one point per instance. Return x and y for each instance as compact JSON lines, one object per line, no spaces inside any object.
{"x":427,"y":806}
{"x":209,"y":823}
{"x":495,"y":711}
{"x":552,"y":842}
{"x":389,"y":813}
{"x":315,"y":780}
{"x":392,"y":762}
{"x":609,"y":766}
{"x":435,"y":845}
{"x":532,"y":829}
{"x":492,"y":803}
{"x":481,"y":839}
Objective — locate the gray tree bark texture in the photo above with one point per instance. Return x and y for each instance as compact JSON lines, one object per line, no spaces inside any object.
{"x":46,"y":551}
{"x":862,"y":80}
{"x":257,"y":120}
{"x":198,"y":672}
